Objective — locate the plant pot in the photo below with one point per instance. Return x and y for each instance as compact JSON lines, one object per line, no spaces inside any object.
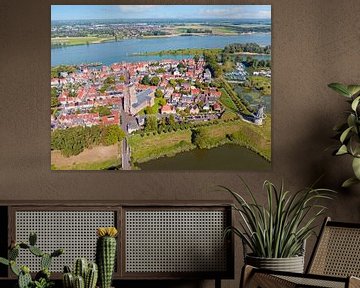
{"x":291,"y":264}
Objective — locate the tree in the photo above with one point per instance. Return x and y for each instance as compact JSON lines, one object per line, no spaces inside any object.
{"x":172,"y":82}
{"x":155,"y":81}
{"x":150,"y":123}
{"x":171,"y":121}
{"x":162,"y":101}
{"x":122,"y":78}
{"x":146,"y":80}
{"x":103,"y":111}
{"x":159,"y":93}
{"x":112,"y":134}
{"x":199,"y":137}
{"x":54,"y":98}
{"x":196,"y":58}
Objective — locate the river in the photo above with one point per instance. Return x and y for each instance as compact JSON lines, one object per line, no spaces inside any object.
{"x":226,"y":157}
{"x":123,"y":50}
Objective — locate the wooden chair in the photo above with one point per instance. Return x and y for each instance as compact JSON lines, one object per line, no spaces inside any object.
{"x":335,"y":262}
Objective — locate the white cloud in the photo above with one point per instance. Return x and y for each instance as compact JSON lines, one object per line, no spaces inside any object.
{"x":135,"y":8}
{"x":235,"y":12}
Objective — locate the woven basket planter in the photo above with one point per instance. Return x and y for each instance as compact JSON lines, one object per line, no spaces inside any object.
{"x":291,"y":264}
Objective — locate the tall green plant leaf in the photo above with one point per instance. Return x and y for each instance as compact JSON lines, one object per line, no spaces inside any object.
{"x":341,"y":89}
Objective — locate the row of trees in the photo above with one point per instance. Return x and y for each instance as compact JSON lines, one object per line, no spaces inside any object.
{"x":247,"y":48}
{"x":212,"y":64}
{"x":73,"y":141}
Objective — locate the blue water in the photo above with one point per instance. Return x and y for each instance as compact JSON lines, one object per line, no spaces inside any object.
{"x":122,"y":51}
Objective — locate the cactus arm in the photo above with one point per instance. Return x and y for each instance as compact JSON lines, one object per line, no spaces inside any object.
{"x":57,"y":253}
{"x":24,"y":280}
{"x":4,"y":261}
{"x":14,"y":268}
{"x":32,"y":239}
{"x":80,"y":267}
{"x":13,"y":253}
{"x":45,"y":261}
{"x":79,"y":282}
{"x":91,"y":276}
{"x":36,"y":251}
{"x":68,"y":280}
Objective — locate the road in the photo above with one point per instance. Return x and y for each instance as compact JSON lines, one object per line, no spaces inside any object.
{"x":126,"y":154}
{"x":125,"y":148}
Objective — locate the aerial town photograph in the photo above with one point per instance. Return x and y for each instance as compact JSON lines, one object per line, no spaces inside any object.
{"x":161,"y":87}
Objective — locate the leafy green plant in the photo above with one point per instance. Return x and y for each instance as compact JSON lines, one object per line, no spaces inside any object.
{"x":280,"y":229}
{"x":349,"y":132}
{"x":42,"y":278}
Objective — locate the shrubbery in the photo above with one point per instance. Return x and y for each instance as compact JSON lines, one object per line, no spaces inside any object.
{"x":73,"y":141}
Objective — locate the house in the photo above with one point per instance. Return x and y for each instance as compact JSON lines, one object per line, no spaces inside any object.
{"x":167,"y":109}
{"x":194,"y":110}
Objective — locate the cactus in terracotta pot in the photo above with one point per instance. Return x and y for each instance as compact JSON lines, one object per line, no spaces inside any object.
{"x":106,"y":254}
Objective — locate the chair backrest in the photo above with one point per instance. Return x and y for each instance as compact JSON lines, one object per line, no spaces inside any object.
{"x":337,"y":251}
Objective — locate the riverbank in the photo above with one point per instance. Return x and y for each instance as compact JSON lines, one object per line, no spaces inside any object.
{"x":153,"y":146}
{"x":59,"y":42}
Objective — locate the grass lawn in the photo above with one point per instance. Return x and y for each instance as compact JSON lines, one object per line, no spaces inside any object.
{"x":154,"y":146}
{"x":90,"y":166}
{"x":256,"y":138}
{"x":226,"y":100}
{"x":70,"y":41}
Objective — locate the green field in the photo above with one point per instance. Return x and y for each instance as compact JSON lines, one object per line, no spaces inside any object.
{"x":145,"y":148}
{"x":255,"y":138}
{"x":103,"y":165}
{"x":71,"y":41}
{"x":186,"y":51}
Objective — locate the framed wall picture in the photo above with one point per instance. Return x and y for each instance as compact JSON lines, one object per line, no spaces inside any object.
{"x":161,"y":87}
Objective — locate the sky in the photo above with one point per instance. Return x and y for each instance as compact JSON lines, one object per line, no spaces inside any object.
{"x":81,"y":12}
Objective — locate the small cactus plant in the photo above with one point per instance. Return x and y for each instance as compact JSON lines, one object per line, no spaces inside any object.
{"x":106,"y":254}
{"x":85,"y":275}
{"x":42,"y":278}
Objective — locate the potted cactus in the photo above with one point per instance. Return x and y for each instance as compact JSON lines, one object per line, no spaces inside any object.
{"x":106,"y":254}
{"x":85,"y":275}
{"x":42,"y":278}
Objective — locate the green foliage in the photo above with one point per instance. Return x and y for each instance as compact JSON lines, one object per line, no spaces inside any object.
{"x":349,"y":132}
{"x":103,"y":111}
{"x":248,"y":48}
{"x":160,"y":70}
{"x":112,"y":134}
{"x":159,"y":93}
{"x":212,"y":65}
{"x":155,"y":81}
{"x":42,"y":278}
{"x":146,"y":80}
{"x":73,"y":141}
{"x":55,"y":71}
{"x":150,"y":123}
{"x":110,"y":80}
{"x":199,"y":137}
{"x":54,"y":97}
{"x":261,"y":83}
{"x":85,"y":275}
{"x":279,"y":229}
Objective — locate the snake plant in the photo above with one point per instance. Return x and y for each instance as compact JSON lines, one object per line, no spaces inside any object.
{"x":349,"y":132}
{"x":280,"y":228}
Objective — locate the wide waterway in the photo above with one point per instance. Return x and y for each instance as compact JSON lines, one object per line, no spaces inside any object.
{"x":124,"y":50}
{"x":226,"y":157}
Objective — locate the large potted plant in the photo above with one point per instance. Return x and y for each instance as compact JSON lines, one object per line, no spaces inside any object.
{"x":349,"y":131}
{"x":275,"y":234}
